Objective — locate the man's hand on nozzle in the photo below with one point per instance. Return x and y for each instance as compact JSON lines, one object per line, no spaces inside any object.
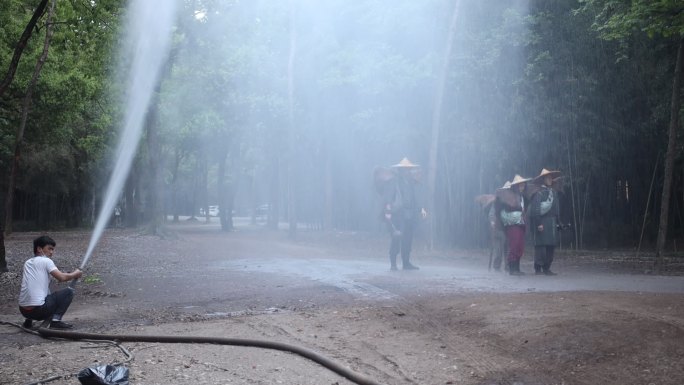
{"x":77,"y":273}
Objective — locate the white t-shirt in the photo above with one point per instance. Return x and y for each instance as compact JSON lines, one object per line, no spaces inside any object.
{"x":35,"y":283}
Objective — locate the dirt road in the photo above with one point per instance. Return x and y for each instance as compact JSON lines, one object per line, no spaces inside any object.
{"x":451,"y":322}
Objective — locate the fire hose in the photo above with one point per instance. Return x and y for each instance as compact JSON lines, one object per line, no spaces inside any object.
{"x":306,"y":353}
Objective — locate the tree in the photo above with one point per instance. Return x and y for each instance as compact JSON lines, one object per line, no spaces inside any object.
{"x":619,"y":20}
{"x":292,"y":168}
{"x":26,"y":106}
{"x":21,"y":45}
{"x":437,"y":117}
{"x":6,"y":81}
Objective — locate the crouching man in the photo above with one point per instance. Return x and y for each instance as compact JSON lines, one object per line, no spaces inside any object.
{"x":35,"y":300}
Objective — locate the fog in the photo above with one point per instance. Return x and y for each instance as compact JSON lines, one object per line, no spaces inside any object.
{"x":282,"y":110}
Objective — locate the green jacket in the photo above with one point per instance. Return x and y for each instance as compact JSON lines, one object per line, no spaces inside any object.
{"x":512,"y":209}
{"x":544,"y":210}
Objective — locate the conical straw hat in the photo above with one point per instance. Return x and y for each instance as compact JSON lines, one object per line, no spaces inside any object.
{"x":545,"y":172}
{"x":517,"y":179}
{"x":405,"y":163}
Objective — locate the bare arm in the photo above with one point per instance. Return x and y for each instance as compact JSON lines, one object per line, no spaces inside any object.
{"x":62,"y":277}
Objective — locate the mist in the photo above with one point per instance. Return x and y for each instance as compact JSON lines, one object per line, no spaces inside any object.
{"x":144,"y":50}
{"x":285,"y":109}
{"x":235,"y":158}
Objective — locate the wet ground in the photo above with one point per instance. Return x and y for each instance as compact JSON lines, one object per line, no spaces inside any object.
{"x":452,"y":321}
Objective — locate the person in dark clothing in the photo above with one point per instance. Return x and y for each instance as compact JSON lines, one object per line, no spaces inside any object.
{"x":36,"y":302}
{"x":497,"y":235}
{"x":544,"y":214}
{"x":402,"y":212}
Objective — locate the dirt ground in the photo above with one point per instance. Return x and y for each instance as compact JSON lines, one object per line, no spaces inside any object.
{"x":600,"y":321}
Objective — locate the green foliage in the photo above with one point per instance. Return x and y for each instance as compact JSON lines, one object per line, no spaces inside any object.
{"x":527,"y":87}
{"x":92,"y":279}
{"x":70,"y":121}
{"x":620,"y":19}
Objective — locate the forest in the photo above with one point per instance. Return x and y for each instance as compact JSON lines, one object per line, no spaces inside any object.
{"x":285,"y":108}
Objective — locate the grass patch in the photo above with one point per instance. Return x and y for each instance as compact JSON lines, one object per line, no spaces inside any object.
{"x":92,"y":279}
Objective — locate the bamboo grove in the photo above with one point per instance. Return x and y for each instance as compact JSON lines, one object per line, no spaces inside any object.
{"x":287,"y":107}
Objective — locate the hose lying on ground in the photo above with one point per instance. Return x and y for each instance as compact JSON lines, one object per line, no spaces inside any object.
{"x":125,"y":351}
{"x":306,"y":353}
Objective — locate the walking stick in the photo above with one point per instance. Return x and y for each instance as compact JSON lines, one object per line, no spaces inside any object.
{"x":491,"y":249}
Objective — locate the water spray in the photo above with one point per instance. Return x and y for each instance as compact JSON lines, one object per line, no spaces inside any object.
{"x":149,"y":34}
{"x":148,"y":41}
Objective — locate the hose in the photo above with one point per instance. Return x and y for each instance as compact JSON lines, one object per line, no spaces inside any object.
{"x":306,"y":353}
{"x":129,"y":356}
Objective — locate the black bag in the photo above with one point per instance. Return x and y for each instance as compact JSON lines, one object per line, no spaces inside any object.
{"x":104,"y":375}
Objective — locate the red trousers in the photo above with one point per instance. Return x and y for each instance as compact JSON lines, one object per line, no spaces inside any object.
{"x":516,"y":242}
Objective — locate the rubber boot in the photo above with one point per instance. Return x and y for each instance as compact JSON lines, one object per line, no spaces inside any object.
{"x":537,"y":269}
{"x":393,"y":262}
{"x":547,"y":270}
{"x":406,"y":265}
{"x":515,"y":268}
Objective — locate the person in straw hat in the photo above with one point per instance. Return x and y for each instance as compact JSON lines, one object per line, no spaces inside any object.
{"x":544,"y":214}
{"x":402,"y":211}
{"x":511,"y":208}
{"x":498,"y":237}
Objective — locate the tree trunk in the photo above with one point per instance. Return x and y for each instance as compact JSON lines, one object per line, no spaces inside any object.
{"x":174,"y":184}
{"x":3,"y":260}
{"x":131,"y":207}
{"x":19,"y":49}
{"x":196,"y":178}
{"x":42,"y":219}
{"x":224,"y":195}
{"x":572,"y":162}
{"x":26,"y":107}
{"x":329,"y":193}
{"x":226,"y":211}
{"x":6,"y":81}
{"x":205,"y":187}
{"x":74,"y":212}
{"x":230,"y":191}
{"x":573,"y":189}
{"x":669,"y":158}
{"x":93,"y":208}
{"x":274,"y":193}
{"x":291,"y":164}
{"x":154,"y":201}
{"x":154,"y":151}
{"x":436,"y":123}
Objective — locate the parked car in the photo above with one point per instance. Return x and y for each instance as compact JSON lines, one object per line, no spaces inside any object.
{"x":262,"y":210}
{"x":213,"y":211}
